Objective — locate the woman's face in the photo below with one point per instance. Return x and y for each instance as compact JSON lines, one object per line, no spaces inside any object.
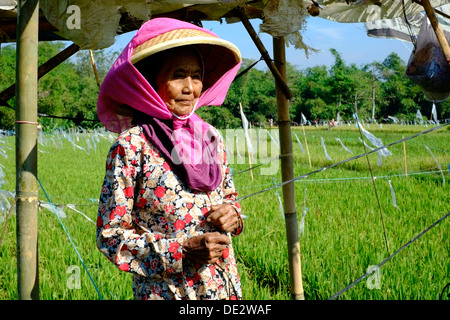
{"x":179,"y":81}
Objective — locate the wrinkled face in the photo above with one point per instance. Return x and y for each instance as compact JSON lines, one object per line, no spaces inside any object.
{"x":179,"y":81}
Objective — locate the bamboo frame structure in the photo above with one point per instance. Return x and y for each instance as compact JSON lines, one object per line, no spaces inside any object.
{"x":287,"y":173}
{"x":26,"y":150}
{"x":280,"y":81}
{"x":46,"y":67}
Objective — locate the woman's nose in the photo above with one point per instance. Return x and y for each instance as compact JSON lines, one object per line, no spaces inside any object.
{"x":188,"y":85}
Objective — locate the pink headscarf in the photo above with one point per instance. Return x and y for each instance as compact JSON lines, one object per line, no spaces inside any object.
{"x":125,"y":85}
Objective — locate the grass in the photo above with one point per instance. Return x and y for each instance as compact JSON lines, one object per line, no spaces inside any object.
{"x":343,"y":232}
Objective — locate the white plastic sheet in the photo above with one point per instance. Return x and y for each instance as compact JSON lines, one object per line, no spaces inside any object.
{"x":343,"y":146}
{"x":56,"y":209}
{"x":325,"y":149}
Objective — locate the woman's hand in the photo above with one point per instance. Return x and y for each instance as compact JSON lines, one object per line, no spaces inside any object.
{"x":206,"y":248}
{"x":224,"y":217}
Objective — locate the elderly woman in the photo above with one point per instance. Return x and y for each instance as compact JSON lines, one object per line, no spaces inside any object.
{"x":167,"y":208}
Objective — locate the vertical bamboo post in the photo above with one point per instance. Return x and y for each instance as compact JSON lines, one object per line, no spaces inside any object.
{"x":431,"y":14}
{"x":287,"y":173}
{"x":26,"y":150}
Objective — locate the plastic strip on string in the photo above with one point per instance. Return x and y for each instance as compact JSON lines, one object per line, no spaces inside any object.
{"x":437,"y":162}
{"x":325,"y":149}
{"x":58,"y":210}
{"x":343,"y":146}
{"x":5,"y":206}
{"x":245,"y":126}
{"x":394,"y":200}
{"x":299,"y":143}
{"x":375,"y":141}
{"x":72,"y":206}
{"x":279,"y":199}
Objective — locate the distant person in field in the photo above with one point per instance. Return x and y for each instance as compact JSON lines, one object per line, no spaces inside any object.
{"x":332,"y":124}
{"x":167,"y":207}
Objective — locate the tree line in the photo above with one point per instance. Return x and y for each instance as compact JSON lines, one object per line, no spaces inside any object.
{"x":319,"y":93}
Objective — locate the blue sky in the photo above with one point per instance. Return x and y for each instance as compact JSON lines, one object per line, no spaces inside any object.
{"x":349,"y":39}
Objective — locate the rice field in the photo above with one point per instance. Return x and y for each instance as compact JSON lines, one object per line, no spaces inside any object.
{"x":340,"y":224}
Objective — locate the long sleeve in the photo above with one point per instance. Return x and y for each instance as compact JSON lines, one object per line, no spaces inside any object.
{"x":123,"y":241}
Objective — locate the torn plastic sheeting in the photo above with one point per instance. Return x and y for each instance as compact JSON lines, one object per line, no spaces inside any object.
{"x":343,"y":146}
{"x":100,"y":20}
{"x":56,"y":209}
{"x":370,"y":10}
{"x":299,"y":143}
{"x":279,"y":198}
{"x":245,"y":127}
{"x":375,"y":141}
{"x":325,"y":149}
{"x":394,"y":200}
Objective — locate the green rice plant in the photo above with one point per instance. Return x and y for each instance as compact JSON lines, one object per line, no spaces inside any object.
{"x":344,"y":231}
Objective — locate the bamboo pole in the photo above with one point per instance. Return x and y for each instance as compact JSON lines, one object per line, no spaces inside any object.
{"x":281,"y":82}
{"x":287,"y":173}
{"x":26,"y":150}
{"x":52,"y":63}
{"x":91,"y":56}
{"x":431,"y":14}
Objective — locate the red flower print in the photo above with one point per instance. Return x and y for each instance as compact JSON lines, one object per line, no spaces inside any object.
{"x":205,"y":211}
{"x":213,"y":270}
{"x":121,"y":151}
{"x":153,"y":264}
{"x":160,"y":191}
{"x":196,"y":276}
{"x":105,"y":189}
{"x":187,"y":218}
{"x":170,"y":209}
{"x":173,"y":247}
{"x":124,"y":247}
{"x":166,"y":166}
{"x":163,"y":220}
{"x":190,"y":281}
{"x":120,"y":211}
{"x":177,"y":256}
{"x":124,"y":267}
{"x":156,"y":290}
{"x":142,"y":202}
{"x":179,"y":224}
{"x":129,"y":192}
{"x":226,"y":253}
{"x":99,"y":222}
{"x":112,"y":215}
{"x":189,"y":205}
{"x":133,"y":147}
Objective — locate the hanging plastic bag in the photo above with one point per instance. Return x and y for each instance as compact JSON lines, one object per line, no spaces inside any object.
{"x":427,"y":65}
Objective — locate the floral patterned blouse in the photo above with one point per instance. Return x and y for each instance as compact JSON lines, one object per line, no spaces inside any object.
{"x":146,"y":212}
